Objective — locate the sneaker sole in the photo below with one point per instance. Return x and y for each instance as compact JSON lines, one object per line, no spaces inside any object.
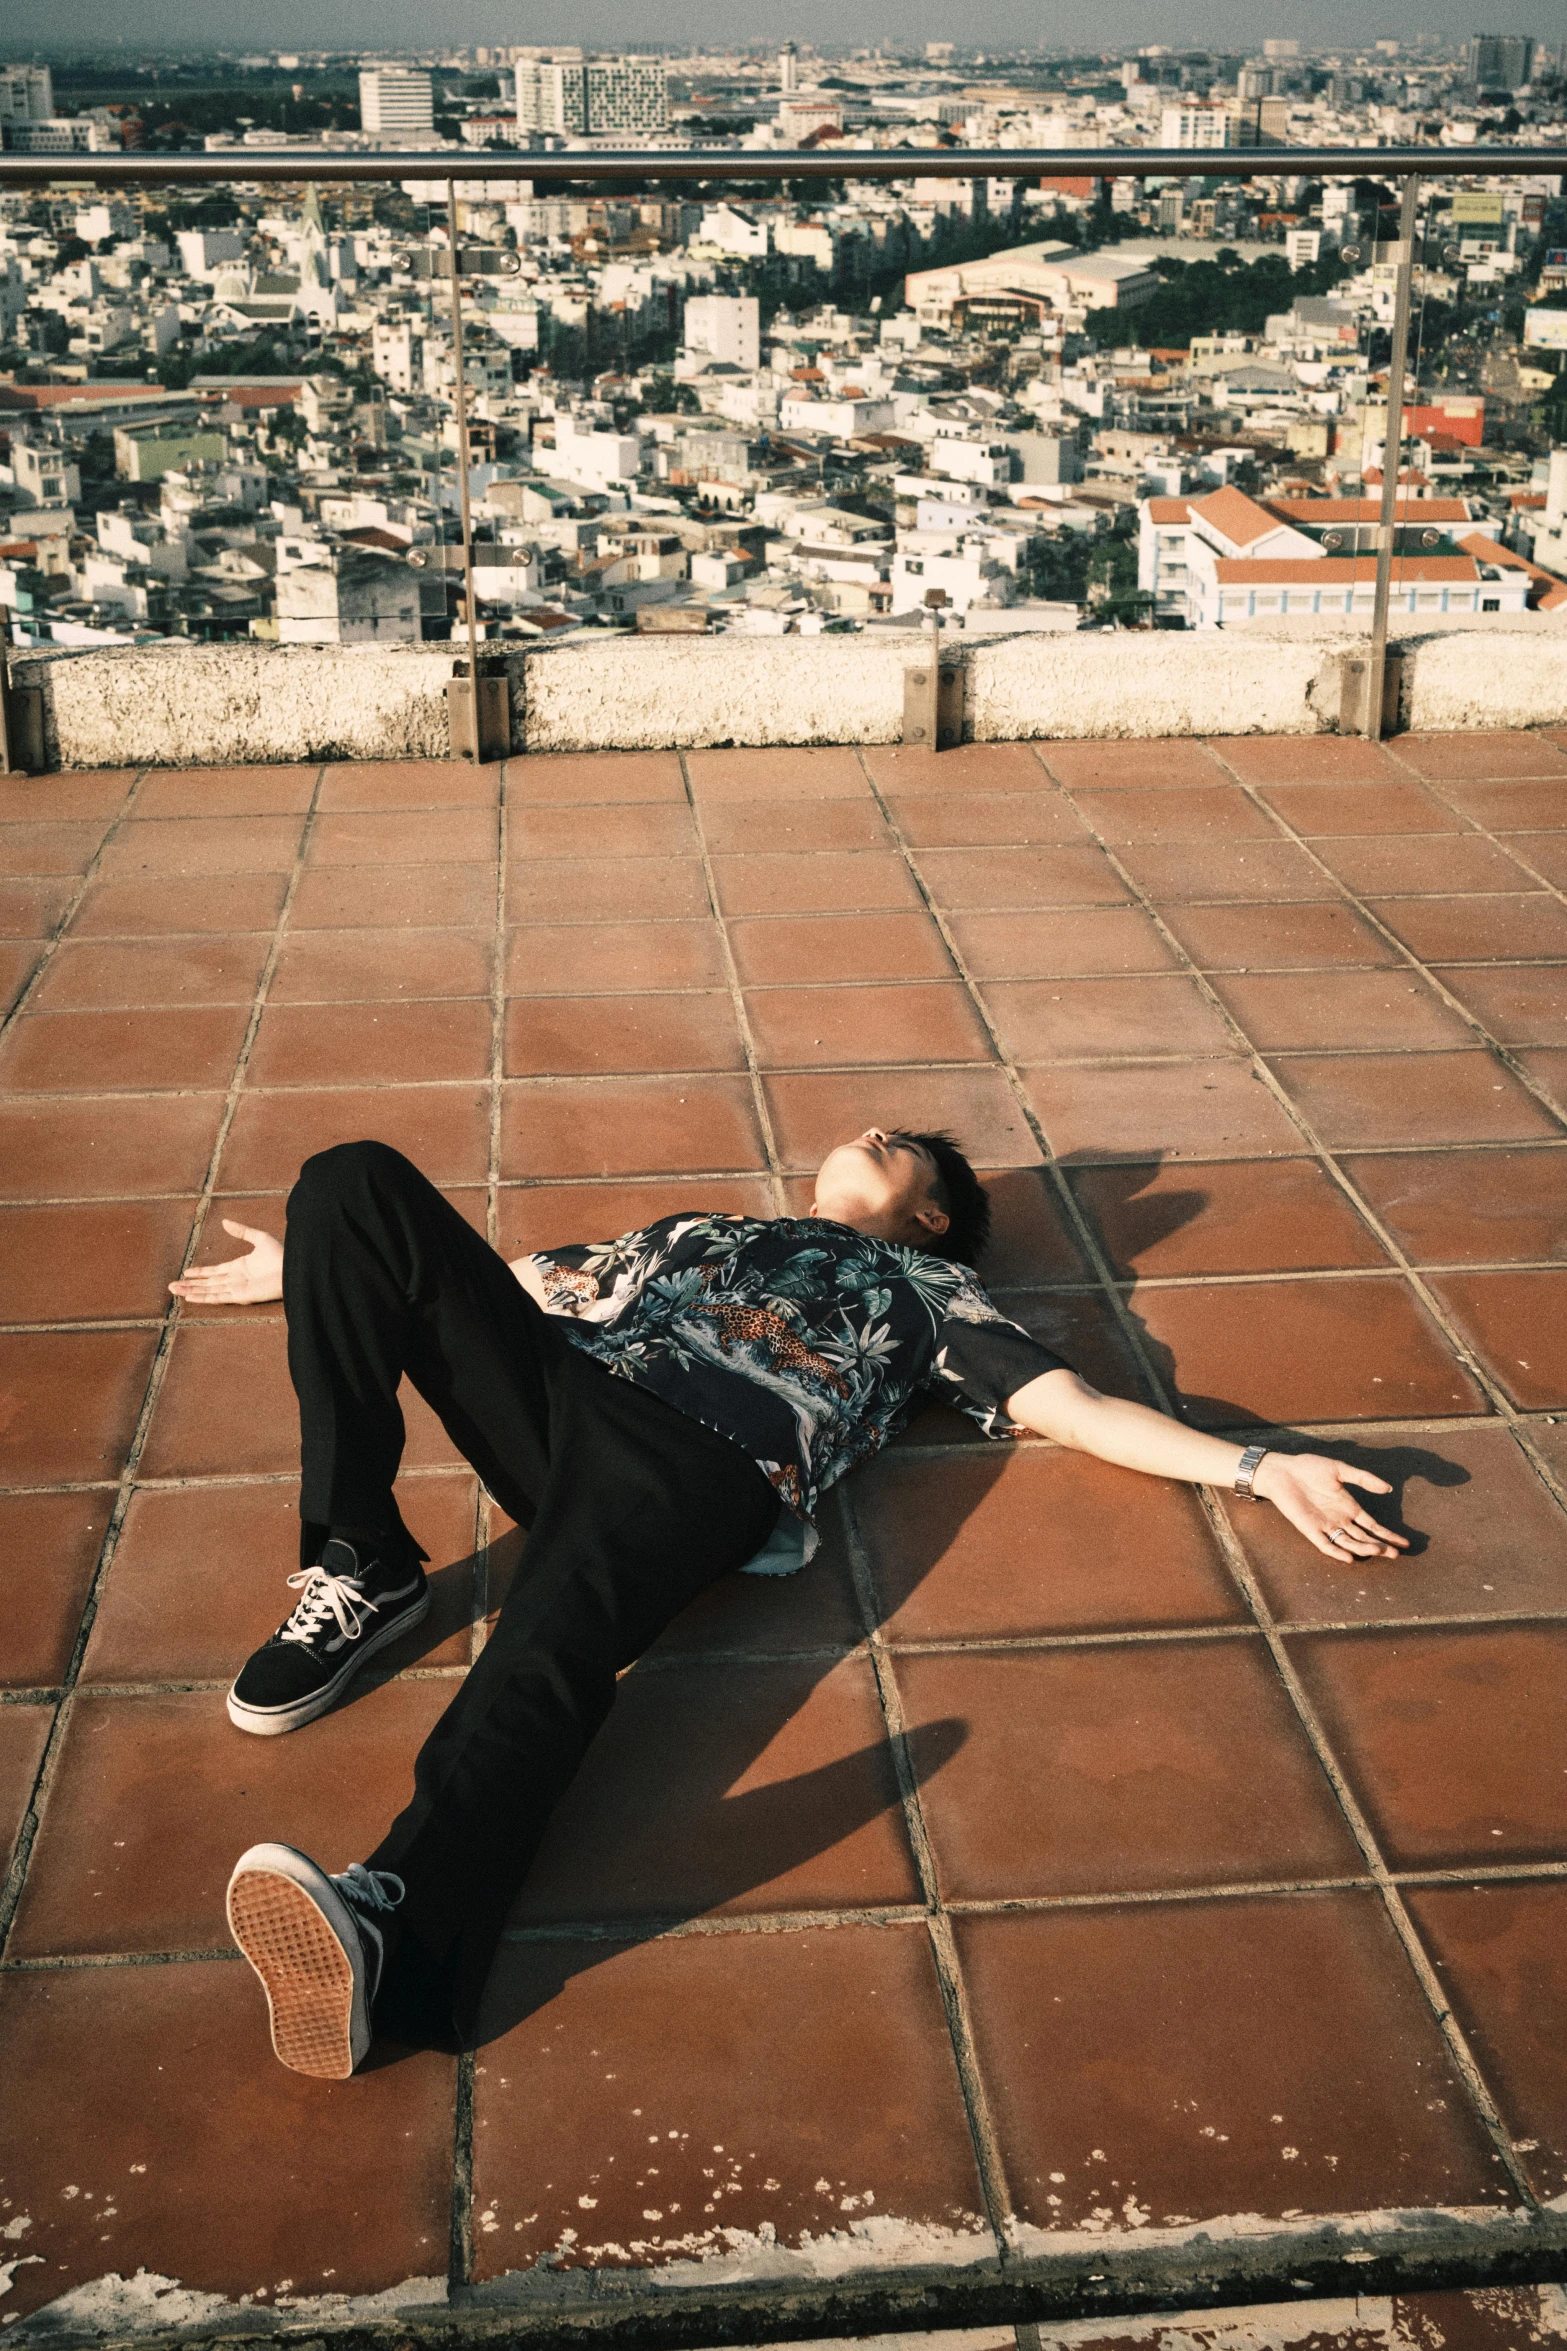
{"x":271,"y":1722}
{"x":315,"y":1995}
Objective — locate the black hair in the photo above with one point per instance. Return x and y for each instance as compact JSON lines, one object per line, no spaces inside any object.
{"x":959,"y":1191}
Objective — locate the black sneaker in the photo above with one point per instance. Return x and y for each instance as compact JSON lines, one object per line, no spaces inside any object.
{"x":315,"y":1943}
{"x":346,"y":1611}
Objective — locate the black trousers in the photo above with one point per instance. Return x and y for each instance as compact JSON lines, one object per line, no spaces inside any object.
{"x":632,"y":1508}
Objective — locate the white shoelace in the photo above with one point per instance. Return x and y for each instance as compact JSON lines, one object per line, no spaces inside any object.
{"x":323,"y":1596}
{"x":371,"y":1888}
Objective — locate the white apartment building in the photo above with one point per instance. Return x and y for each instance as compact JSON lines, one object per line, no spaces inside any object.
{"x":726,"y":328}
{"x":592,"y":97}
{"x":1196,"y":125}
{"x":592,"y":457}
{"x":395,"y":103}
{"x":26,"y":93}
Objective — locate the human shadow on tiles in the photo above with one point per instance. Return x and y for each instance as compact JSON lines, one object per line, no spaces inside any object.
{"x":1147,"y":1215}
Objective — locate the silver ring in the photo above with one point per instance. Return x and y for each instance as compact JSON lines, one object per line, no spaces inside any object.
{"x":1339,"y":1534}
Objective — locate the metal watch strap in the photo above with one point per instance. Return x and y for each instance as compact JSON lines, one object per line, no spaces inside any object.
{"x":1250,"y":1461}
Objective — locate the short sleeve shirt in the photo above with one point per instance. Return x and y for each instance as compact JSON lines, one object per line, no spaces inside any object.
{"x":807,"y":1343}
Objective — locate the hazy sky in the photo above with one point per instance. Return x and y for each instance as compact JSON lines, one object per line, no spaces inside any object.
{"x":660,"y":23}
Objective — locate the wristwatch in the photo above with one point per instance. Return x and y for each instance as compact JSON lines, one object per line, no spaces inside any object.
{"x":1250,"y":1462}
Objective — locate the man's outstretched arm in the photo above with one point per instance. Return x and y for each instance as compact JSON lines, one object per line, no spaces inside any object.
{"x":1314,"y":1492}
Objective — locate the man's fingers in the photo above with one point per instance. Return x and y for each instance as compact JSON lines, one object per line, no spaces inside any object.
{"x":1350,"y":1476}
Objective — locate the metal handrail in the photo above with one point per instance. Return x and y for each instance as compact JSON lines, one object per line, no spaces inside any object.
{"x":810,"y":163}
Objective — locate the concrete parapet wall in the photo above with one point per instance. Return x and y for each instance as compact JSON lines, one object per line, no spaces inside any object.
{"x":237,"y":705}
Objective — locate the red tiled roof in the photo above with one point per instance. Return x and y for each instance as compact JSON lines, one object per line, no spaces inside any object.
{"x":1169,"y":510}
{"x":1551,"y":595}
{"x":1240,"y":518}
{"x":1289,"y":571}
{"x":1367,"y":509}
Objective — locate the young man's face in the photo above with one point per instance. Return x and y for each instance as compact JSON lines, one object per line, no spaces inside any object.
{"x":884,"y":1185}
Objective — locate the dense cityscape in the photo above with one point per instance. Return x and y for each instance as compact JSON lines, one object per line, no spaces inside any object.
{"x":1031,"y":403}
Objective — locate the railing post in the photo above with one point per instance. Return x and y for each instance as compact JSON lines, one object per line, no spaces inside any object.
{"x":1392,"y":451}
{"x":475,"y":734}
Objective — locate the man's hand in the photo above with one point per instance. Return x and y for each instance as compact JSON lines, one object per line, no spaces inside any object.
{"x":1313,"y":1493}
{"x":253,"y":1280}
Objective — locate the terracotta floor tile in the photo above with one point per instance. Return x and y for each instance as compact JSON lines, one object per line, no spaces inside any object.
{"x":1499,"y":1955}
{"x":735,"y":826}
{"x":1106,"y":766}
{"x":1504,"y":752}
{"x":1328,"y":1010}
{"x":211,"y":902}
{"x":1084,"y":1331}
{"x":424,"y":897}
{"x":806,"y":948}
{"x":444,"y":1129}
{"x":18,"y":961}
{"x":90,"y":1262}
{"x":1514,"y":1322}
{"x":1412,"y":1099}
{"x":155,"y":2163}
{"x":1547,"y":1066}
{"x":834,"y":774}
{"x":1208,"y":871}
{"x":1197,"y":1109}
{"x":831,"y":882}
{"x":1451,"y":1737}
{"x":49,"y":1545}
{"x":592,"y":1035}
{"x":965,"y":820}
{"x":125,"y":1859}
{"x":595,"y":775}
{"x":69,"y":1150}
{"x":820,"y":2059}
{"x":1544,"y":853}
{"x":31,"y":907}
{"x":552,"y":1216}
{"x":713,"y":1790}
{"x":134,"y":1051}
{"x":24,"y":1734}
{"x":903,"y":768}
{"x":820,"y":1027}
{"x":410,"y":783}
{"x":1463,"y":930}
{"x":623,"y":889}
{"x":1307,"y":937}
{"x":649,"y":828}
{"x":174,"y":848}
{"x":1419,"y":864}
{"x":227,"y":1407}
{"x":328,"y":966}
{"x":1030,"y":1240}
{"x":1083,"y":1019}
{"x":367,"y":1044}
{"x":811,"y":1114}
{"x":1011,"y":1542}
{"x":69,"y":1402}
{"x":1467,"y":1207}
{"x":1078,"y":875}
{"x":1275,"y":1352}
{"x":198,"y":1580}
{"x":628,"y":1126}
{"x":88,"y":973}
{"x":1382,"y":807}
{"x":1518,"y":1006}
{"x":1248,"y":2055}
{"x":1490,"y":1538}
{"x":1245,"y":1216}
{"x":575,"y":959}
{"x":1085,"y":941}
{"x":456,"y":836}
{"x":1516,"y":806}
{"x":49,"y":848}
{"x":1305,"y":759}
{"x":227,"y":791}
{"x":74,"y":794}
{"x":1195,"y":812}
{"x":1120,"y":1769}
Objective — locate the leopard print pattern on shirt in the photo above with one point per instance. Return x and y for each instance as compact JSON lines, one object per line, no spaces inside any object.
{"x":752,"y":1326}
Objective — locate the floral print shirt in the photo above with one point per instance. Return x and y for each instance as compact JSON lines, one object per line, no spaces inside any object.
{"x":806,"y":1342}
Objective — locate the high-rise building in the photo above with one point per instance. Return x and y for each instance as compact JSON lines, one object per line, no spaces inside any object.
{"x":1195,"y":126}
{"x":26,"y":93}
{"x":395,"y":103}
{"x":603,"y":97}
{"x":788,"y":68}
{"x":725,"y":327}
{"x":1500,"y":61}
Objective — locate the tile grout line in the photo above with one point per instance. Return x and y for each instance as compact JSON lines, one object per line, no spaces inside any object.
{"x":984,"y":2137}
{"x":50,"y":946}
{"x":16,"y":1875}
{"x":1218,"y":1510}
{"x":759,"y":1102}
